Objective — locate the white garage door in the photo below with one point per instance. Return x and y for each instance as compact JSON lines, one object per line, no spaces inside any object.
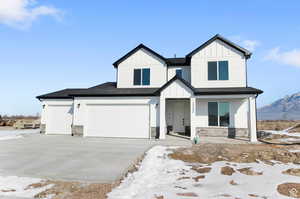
{"x":117,"y":120}
{"x":59,"y":119}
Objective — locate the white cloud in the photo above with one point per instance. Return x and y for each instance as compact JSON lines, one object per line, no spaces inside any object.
{"x":246,"y":43}
{"x":21,"y":13}
{"x":250,"y":44}
{"x":291,"y":57}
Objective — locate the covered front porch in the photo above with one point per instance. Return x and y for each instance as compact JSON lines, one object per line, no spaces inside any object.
{"x":231,"y":116}
{"x":185,"y":112}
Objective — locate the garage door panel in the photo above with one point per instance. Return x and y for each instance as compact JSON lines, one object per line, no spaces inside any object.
{"x":118,"y":120}
{"x":59,"y":119}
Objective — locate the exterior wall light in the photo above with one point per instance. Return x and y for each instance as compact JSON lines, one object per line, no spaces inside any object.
{"x":44,"y":106}
{"x":78,"y":105}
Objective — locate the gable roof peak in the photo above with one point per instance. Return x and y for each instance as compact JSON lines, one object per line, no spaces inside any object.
{"x":140,"y":46}
{"x":246,"y":52}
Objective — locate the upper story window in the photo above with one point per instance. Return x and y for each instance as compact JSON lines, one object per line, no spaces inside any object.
{"x":218,"y":70}
{"x":218,"y":113}
{"x":141,"y":76}
{"x":179,"y":72}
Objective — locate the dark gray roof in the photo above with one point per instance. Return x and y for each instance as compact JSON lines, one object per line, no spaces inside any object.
{"x":109,"y":89}
{"x":182,"y":61}
{"x":227,"y":91}
{"x":141,"y":46}
{"x":217,"y":36}
{"x":61,"y":94}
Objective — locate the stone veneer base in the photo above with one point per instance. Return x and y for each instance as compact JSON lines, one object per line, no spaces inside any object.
{"x":43,"y":128}
{"x":222,"y":132}
{"x":77,"y":130}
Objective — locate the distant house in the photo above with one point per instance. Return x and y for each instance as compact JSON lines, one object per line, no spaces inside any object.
{"x":204,"y":93}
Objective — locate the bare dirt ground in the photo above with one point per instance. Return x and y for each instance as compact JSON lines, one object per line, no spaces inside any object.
{"x":74,"y":190}
{"x":267,"y":153}
{"x":240,"y":153}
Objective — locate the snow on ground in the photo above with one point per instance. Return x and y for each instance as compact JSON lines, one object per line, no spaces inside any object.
{"x":15,"y":134}
{"x":18,"y":186}
{"x":158,"y":175}
{"x":284,"y":132}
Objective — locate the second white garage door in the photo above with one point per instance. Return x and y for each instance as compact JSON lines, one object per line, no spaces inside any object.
{"x":59,"y":119}
{"x":117,"y":120}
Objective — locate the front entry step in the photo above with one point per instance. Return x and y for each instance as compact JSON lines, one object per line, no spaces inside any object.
{"x":178,"y":135}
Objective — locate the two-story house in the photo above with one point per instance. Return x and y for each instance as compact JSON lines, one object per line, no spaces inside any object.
{"x":204,"y":93}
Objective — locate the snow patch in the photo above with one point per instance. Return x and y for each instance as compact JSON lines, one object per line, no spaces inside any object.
{"x":15,"y":134}
{"x":159,"y":175}
{"x":18,"y":186}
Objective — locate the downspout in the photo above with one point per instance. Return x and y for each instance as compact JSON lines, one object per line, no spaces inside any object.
{"x":246,"y":73}
{"x":73,"y":117}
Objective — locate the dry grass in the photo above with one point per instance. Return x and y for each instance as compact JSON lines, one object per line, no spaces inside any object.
{"x":276,"y":125}
{"x":240,"y":153}
{"x":73,"y":190}
{"x":289,"y":189}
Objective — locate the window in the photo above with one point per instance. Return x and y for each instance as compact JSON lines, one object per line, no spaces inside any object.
{"x":218,"y":113}
{"x":179,"y":73}
{"x":146,"y":76}
{"x":137,"y":77}
{"x":141,"y":76}
{"x":218,"y":70}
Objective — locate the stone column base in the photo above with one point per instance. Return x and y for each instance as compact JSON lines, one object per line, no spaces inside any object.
{"x":43,"y":128}
{"x":155,"y":132}
{"x":77,"y":130}
{"x":222,"y":132}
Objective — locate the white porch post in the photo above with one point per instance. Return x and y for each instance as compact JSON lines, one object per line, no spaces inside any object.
{"x":193,"y":115}
{"x":162,"y":118}
{"x":252,"y":118}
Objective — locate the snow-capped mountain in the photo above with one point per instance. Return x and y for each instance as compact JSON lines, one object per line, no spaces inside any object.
{"x":287,"y":108}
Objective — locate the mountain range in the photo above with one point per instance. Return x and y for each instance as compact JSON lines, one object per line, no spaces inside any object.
{"x":287,"y":108}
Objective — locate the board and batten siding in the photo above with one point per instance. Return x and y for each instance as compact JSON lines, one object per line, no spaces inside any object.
{"x":142,"y":59}
{"x":238,"y":112}
{"x":218,"y":51}
{"x":186,"y":72}
{"x":176,"y":89}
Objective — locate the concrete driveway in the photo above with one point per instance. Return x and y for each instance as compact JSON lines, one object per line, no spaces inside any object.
{"x":60,"y":157}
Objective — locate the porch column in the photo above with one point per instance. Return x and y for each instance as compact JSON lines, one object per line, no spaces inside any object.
{"x":193,"y":115}
{"x":252,"y":118}
{"x":162,"y":118}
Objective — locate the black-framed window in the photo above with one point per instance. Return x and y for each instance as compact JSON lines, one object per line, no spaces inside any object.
{"x":141,"y":76}
{"x":179,"y":72}
{"x":218,"y":113}
{"x":137,"y":77}
{"x":146,"y":76}
{"x":217,"y":70}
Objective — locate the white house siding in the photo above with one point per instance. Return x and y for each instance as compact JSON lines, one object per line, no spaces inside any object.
{"x":186,"y":72}
{"x":142,"y":59}
{"x":176,"y":89}
{"x":238,"y":112}
{"x":57,"y":116}
{"x":218,"y":51}
{"x":81,"y":112}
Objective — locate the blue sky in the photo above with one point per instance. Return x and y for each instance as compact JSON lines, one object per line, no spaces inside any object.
{"x":50,"y":45}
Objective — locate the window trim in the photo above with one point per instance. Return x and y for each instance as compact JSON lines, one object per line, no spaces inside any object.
{"x":141,"y":76}
{"x":218,"y":74}
{"x":218,"y":102}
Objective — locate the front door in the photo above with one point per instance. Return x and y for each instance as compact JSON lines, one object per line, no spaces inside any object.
{"x":178,"y":117}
